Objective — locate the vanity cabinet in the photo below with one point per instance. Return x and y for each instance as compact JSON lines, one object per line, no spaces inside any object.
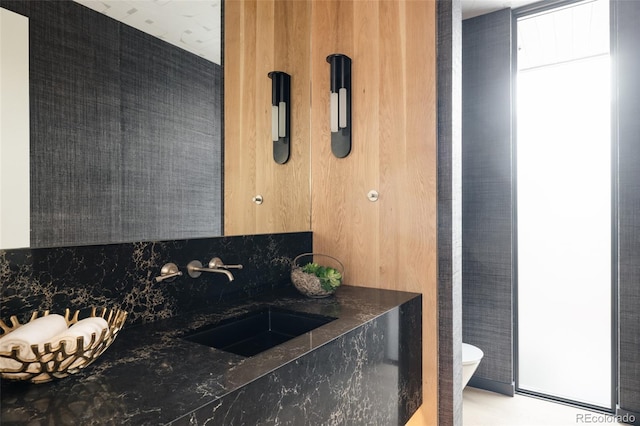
{"x":364,"y":367}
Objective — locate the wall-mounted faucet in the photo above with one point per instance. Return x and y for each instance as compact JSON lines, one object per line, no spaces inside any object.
{"x":195,"y":269}
{"x":168,"y":272}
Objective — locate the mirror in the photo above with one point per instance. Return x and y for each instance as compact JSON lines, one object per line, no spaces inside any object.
{"x":126,"y":133}
{"x":148,"y":108}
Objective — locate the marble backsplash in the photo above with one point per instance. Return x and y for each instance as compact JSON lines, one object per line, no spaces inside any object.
{"x":123,"y":275}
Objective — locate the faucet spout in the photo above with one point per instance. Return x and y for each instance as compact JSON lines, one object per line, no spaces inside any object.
{"x":195,"y":269}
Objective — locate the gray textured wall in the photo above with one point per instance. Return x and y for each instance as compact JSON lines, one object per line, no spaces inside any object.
{"x":126,"y":132}
{"x":627,"y":52}
{"x":487,"y":309}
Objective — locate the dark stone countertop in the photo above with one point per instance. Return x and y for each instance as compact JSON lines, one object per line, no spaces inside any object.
{"x":150,"y":375}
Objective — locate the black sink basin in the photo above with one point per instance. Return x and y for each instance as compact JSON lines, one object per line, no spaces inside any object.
{"x":257,"y":331}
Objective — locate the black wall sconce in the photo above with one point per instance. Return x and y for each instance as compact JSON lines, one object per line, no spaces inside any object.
{"x":340,"y":104}
{"x":280,"y":115}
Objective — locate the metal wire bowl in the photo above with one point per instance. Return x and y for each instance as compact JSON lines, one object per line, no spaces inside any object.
{"x":309,"y":284}
{"x":47,"y":362}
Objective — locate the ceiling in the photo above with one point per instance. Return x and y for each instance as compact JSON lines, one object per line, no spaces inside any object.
{"x":471,"y":8}
{"x":194,"y":25}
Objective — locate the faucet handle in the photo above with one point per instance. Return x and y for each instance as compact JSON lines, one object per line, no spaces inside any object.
{"x":168,"y":272}
{"x":217,"y":263}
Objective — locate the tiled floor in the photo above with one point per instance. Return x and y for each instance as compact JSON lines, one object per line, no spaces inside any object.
{"x":482,"y":408}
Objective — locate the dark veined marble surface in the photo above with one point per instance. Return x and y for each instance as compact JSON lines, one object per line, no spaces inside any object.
{"x":123,"y":275}
{"x":363,"y":368}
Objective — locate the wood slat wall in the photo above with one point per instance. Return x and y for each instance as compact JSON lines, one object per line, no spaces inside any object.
{"x":263,"y":36}
{"x":390,"y":243}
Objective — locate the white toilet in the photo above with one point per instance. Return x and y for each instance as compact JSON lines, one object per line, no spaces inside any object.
{"x":471,"y":356}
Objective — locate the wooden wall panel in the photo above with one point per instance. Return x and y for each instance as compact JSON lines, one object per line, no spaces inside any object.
{"x":263,"y":36}
{"x":390,"y":243}
{"x":239,"y":153}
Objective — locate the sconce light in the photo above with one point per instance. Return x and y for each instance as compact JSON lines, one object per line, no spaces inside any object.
{"x":280,"y":115}
{"x":340,"y":106}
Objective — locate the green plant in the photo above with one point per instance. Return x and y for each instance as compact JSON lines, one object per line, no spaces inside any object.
{"x":330,"y":278}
